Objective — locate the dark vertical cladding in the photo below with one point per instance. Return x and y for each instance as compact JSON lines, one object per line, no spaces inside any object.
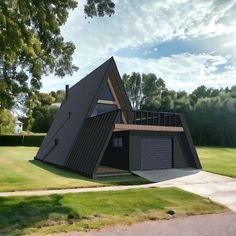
{"x":90,"y":144}
{"x":67,"y":92}
{"x":71,"y":116}
{"x":189,"y":143}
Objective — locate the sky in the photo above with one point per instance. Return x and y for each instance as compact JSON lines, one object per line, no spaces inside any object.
{"x":187,"y":43}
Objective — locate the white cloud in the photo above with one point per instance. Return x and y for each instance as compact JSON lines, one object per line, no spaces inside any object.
{"x":140,"y":22}
{"x":184,"y":71}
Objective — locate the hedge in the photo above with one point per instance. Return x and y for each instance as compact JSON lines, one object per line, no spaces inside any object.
{"x":21,"y":140}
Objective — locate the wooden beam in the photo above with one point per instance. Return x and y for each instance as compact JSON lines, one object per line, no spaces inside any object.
{"x":100,"y":101}
{"x":115,"y":97}
{"x":121,"y":127}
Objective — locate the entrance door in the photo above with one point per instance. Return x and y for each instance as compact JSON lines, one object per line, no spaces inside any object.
{"x":156,"y":153}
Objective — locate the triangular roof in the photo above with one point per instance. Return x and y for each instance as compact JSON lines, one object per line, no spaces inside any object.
{"x":69,"y":121}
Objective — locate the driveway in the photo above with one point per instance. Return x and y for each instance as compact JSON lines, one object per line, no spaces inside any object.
{"x":218,"y":188}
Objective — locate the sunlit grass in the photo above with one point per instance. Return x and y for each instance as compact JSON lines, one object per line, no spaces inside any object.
{"x":19,"y":171}
{"x":218,"y":160}
{"x":84,"y":211}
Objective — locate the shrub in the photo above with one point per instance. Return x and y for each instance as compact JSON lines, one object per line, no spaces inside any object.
{"x":21,"y":140}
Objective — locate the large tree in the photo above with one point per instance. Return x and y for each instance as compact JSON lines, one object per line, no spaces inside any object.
{"x":31,"y":43}
{"x":132,"y":84}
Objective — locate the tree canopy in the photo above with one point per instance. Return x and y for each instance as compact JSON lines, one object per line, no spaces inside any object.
{"x":211,"y":113}
{"x":31,"y":43}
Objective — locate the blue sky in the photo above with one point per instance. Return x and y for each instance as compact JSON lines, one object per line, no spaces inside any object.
{"x":188,"y":43}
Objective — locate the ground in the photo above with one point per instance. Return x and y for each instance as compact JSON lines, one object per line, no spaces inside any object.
{"x":83,"y":211}
{"x":20,"y":172}
{"x":218,"y":160}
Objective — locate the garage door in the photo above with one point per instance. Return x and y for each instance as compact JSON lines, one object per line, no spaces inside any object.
{"x":156,"y":154}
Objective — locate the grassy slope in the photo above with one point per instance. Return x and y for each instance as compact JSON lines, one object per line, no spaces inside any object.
{"x":218,"y":160}
{"x":57,"y":213}
{"x":18,"y":171}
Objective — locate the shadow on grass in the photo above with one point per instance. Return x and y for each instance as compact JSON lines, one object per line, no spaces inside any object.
{"x":57,"y":170}
{"x":17,"y":215}
{"x":112,"y":180}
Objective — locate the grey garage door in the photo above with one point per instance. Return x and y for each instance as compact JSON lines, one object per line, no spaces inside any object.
{"x":156,"y":153}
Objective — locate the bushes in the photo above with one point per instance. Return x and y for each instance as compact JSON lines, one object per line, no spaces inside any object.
{"x":21,"y":140}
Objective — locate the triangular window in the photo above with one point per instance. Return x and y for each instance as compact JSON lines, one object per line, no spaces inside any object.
{"x":106,"y":93}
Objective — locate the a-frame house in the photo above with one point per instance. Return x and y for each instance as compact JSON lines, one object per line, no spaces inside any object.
{"x":96,"y":130}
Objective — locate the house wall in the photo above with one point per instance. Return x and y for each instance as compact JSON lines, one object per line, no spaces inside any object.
{"x":128,"y":157}
{"x":117,"y":157}
{"x":181,"y":153}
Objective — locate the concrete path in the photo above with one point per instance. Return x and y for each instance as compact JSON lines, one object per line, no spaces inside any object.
{"x":219,"y":188}
{"x":206,"y":225}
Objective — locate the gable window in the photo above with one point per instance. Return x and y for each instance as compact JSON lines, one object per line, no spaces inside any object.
{"x":106,"y":93}
{"x":117,"y":142}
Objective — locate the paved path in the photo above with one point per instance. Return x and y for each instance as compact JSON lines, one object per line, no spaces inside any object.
{"x":207,"y":225}
{"x":219,"y":188}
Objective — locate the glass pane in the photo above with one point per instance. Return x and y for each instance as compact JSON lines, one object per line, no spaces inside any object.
{"x":106,"y":93}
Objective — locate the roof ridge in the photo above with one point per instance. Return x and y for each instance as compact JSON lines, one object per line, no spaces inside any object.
{"x":95,"y":70}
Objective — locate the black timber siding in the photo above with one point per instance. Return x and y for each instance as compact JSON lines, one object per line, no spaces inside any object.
{"x":90,"y":144}
{"x":182,"y":156}
{"x":187,"y":138}
{"x":117,"y":157}
{"x":71,"y":116}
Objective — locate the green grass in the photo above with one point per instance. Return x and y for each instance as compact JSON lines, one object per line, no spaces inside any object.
{"x":84,"y":211}
{"x":18,"y":171}
{"x":218,"y":160}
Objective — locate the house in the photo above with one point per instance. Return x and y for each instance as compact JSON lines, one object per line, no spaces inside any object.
{"x":18,"y":126}
{"x":96,"y":131}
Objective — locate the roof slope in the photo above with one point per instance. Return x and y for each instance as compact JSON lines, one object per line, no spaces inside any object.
{"x":66,"y":127}
{"x":70,"y":117}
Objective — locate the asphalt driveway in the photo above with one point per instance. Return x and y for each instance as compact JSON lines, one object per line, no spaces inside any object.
{"x":219,"y":188}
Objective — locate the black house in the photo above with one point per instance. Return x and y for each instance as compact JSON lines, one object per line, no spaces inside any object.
{"x":96,"y":130}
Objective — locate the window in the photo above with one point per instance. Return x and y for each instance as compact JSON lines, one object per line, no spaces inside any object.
{"x":106,"y":93}
{"x":103,"y":108}
{"x":117,"y":142}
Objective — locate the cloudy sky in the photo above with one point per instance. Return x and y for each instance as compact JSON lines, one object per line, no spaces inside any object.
{"x":188,"y":43}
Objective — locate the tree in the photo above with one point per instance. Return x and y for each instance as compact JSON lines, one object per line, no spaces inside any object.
{"x":38,"y":105}
{"x":132,"y":84}
{"x":31,"y":43}
{"x":152,"y":88}
{"x":200,"y":92}
{"x":233,"y":91}
{"x":7,"y":122}
{"x":59,"y":95}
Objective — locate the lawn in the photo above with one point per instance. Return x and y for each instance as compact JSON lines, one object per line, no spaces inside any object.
{"x":84,"y":211}
{"x":18,"y":171}
{"x":218,"y":160}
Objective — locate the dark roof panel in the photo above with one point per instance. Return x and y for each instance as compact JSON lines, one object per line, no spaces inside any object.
{"x":70,"y":117}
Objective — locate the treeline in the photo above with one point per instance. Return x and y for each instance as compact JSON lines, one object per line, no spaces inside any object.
{"x":211,"y":113}
{"x":39,"y":110}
